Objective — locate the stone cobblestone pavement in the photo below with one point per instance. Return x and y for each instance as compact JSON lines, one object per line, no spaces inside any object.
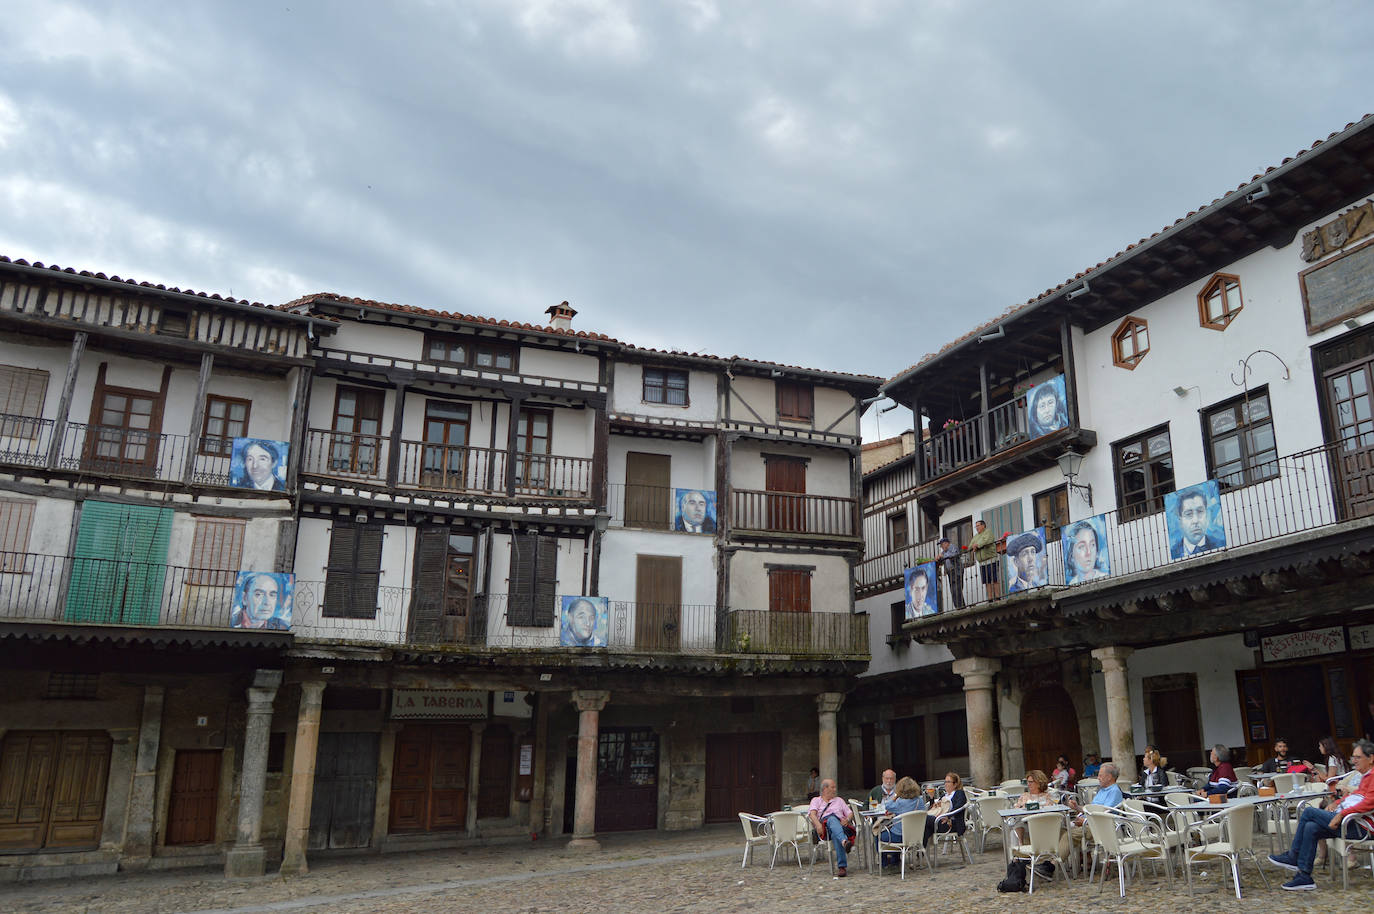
{"x":645,"y":872}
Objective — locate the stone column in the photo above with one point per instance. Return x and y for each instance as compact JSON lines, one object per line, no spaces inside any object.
{"x":302,"y":779}
{"x":247,"y":857}
{"x":386,"y":760}
{"x":827,"y":705}
{"x":979,"y":682}
{"x":124,"y":745}
{"x":1119,"y":729}
{"x":474,"y":774}
{"x":138,"y":839}
{"x":589,"y":704}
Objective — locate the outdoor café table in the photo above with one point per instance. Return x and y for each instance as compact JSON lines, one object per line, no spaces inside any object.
{"x":1012,"y":817}
{"x":869,"y":841}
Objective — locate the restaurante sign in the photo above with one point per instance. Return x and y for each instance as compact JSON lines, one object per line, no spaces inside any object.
{"x":1303,"y":644}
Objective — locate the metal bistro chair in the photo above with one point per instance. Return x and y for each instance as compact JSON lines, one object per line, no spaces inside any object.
{"x":913,"y":825}
{"x":1045,"y":829}
{"x":952,"y":835}
{"x":1238,"y":833}
{"x":1086,"y":790}
{"x":1338,"y":847}
{"x":1136,"y":844}
{"x":989,"y":820}
{"x":758,"y":832}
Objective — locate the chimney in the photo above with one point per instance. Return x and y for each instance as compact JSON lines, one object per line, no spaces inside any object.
{"x":560,"y":316}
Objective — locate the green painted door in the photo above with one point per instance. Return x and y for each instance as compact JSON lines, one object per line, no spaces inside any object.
{"x":119,"y":564}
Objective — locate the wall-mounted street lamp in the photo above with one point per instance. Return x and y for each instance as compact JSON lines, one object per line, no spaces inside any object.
{"x":1070,"y":462}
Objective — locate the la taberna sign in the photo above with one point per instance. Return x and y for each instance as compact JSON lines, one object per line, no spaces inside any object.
{"x":437,"y":704}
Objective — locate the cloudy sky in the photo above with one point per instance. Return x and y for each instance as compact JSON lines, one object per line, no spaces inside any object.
{"x":842,"y":185}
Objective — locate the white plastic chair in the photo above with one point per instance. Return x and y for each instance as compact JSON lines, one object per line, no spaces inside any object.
{"x":1237,"y":837}
{"x":758,"y":832}
{"x":789,"y":829}
{"x":1045,"y":829}
{"x":1134,"y":846}
{"x":913,"y":825}
{"x":989,"y":820}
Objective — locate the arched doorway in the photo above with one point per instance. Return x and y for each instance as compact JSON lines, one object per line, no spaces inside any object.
{"x":1049,"y":726}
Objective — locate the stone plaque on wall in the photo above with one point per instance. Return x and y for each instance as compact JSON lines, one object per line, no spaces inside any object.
{"x":1339,"y":288}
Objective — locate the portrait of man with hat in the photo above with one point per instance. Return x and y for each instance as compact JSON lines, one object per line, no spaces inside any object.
{"x":1026,"y":568}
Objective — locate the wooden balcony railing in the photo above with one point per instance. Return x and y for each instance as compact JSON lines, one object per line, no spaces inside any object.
{"x":790,"y":512}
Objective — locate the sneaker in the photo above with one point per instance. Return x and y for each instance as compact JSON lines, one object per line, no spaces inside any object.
{"x":1300,"y":883}
{"x":1284,"y":860}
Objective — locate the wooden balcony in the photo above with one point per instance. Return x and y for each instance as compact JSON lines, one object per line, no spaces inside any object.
{"x":792,"y":514}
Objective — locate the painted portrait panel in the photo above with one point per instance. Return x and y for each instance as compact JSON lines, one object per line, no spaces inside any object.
{"x":694,"y":510}
{"x":1194,"y":518}
{"x":1025,"y":561}
{"x":1086,"y":556}
{"x":262,"y":599}
{"x":1046,"y":407}
{"x":584,"y":621}
{"x":922,"y":591}
{"x":258,"y":463}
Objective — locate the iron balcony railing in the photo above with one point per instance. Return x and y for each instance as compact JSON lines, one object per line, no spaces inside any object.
{"x":114,"y":451}
{"x":447,"y":467}
{"x":976,"y":438}
{"x":889,"y":566}
{"x":1295,"y":493}
{"x":790,"y":512}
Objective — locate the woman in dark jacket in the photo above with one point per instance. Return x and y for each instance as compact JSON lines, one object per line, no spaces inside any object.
{"x":1152,"y":775}
{"x":954,"y":801}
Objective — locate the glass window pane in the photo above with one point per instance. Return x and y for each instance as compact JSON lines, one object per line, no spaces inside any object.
{"x":1358,"y":383}
{"x":1222,"y":422}
{"x":1258,"y":409}
{"x":1225,"y":450}
{"x":1341,"y":385}
{"x":1159,"y":444}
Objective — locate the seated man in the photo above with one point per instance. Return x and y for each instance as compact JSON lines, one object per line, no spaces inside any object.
{"x":1316,"y":825}
{"x":1108,"y":791}
{"x":829,"y":815}
{"x":1091,"y":764}
{"x":885,"y":792}
{"x":1281,"y":761}
{"x":1223,"y":779}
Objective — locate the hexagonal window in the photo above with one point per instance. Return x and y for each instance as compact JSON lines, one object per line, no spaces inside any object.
{"x":1130,"y":342}
{"x":1219,"y":301}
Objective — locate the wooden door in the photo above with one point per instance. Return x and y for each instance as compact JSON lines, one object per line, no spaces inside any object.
{"x":1173,"y":714}
{"x":357,"y":441}
{"x":119,"y":564}
{"x":786,"y":512}
{"x":52,"y":789}
{"x":124,"y":433}
{"x":493,"y":776}
{"x":429,"y":779}
{"x":445,"y":464}
{"x":1301,"y":722}
{"x":658,"y":602}
{"x":195,"y":797}
{"x":533,"y":434}
{"x":443,"y":586}
{"x":743,"y":774}
{"x":648,"y":498}
{"x":626,"y":779}
{"x":1350,"y":404}
{"x":345,"y":797}
{"x":1049,"y":726}
{"x":909,"y":747}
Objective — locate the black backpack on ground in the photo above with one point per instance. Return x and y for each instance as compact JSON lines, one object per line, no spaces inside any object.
{"x":1016,"y":878}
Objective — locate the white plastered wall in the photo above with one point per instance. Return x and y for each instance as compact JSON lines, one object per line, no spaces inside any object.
{"x":830,"y":579}
{"x":628,"y":392}
{"x":827,"y":469}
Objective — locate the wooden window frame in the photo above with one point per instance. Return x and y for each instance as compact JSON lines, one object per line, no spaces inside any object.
{"x":174,"y":322}
{"x":959,"y":528}
{"x":1135,"y":328}
{"x":1242,"y":432}
{"x":1153,"y":501}
{"x":1051,"y":529}
{"x":789,"y":588}
{"x":1219,"y":285}
{"x":662,"y":388}
{"x":449,"y":343}
{"x":227,"y":440}
{"x":796,"y":392}
{"x":895,"y":520}
{"x":474,"y":349}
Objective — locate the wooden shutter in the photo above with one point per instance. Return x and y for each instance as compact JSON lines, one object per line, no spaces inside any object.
{"x":1004,"y":518}
{"x":16,"y":519}
{"x":647,"y":493}
{"x":658,"y":599}
{"x":789,"y":590}
{"x":355,"y":565}
{"x":427,"y":607}
{"x":533,"y":580}
{"x":22,"y":391}
{"x":216,"y":551}
{"x":119,"y":566}
{"x":795,"y":401}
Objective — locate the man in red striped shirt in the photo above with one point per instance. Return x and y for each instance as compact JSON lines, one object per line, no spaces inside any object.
{"x":1317,"y":825}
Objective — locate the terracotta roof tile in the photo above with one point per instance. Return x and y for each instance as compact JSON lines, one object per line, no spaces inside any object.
{"x":1015,"y":309}
{"x":209,"y":296}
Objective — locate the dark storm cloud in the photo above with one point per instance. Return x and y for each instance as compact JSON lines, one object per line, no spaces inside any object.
{"x":842,"y":185}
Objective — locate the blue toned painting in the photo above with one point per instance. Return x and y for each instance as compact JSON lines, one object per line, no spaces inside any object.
{"x":922,"y":592}
{"x":694,"y":510}
{"x":1194,"y":518}
{"x":1026,"y":565}
{"x":584,"y":622}
{"x":1086,"y":556}
{"x":259,"y":463}
{"x":1046,"y":407}
{"x":262,"y":599}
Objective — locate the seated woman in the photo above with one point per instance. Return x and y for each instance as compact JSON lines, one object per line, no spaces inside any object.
{"x":909,"y":799}
{"x":1333,"y":762}
{"x":1222,"y":780}
{"x":1152,"y":775}
{"x":954,"y":800}
{"x":1037,"y":791}
{"x":1063,"y":775}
